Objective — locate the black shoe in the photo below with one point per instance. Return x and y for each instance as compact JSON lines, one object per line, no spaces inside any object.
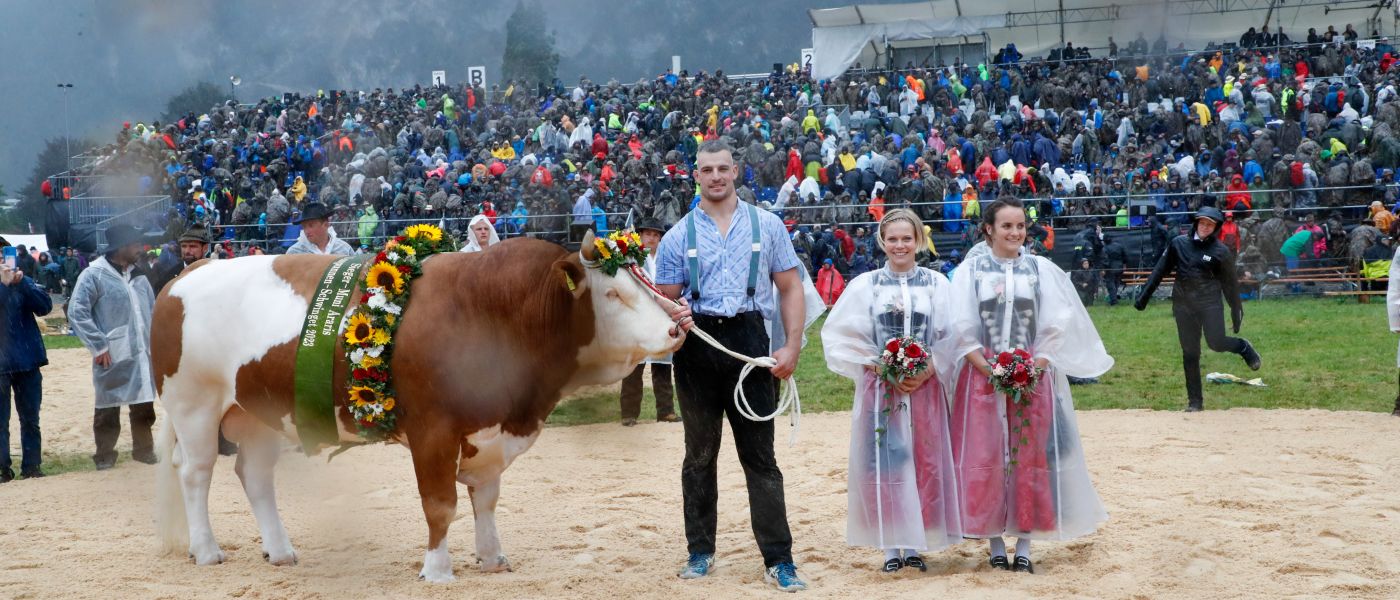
{"x":1195,"y":406}
{"x":916,"y":562}
{"x":999,"y":562}
{"x":34,"y":473}
{"x":7,"y":475}
{"x":1023,"y":563}
{"x":1251,"y":356}
{"x":892,"y":565}
{"x":148,"y":458}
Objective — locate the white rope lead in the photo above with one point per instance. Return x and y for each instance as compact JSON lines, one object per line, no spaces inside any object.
{"x":787,"y":397}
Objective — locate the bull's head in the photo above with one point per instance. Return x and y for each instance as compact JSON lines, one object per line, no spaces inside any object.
{"x":629,"y":324}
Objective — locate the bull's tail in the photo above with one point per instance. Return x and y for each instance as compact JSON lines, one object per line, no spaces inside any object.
{"x":171,"y":524}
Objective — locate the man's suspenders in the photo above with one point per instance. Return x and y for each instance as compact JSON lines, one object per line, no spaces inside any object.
{"x":693,"y":255}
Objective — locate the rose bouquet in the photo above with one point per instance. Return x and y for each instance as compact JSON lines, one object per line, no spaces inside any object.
{"x":1015,"y":374}
{"x":902,"y":358}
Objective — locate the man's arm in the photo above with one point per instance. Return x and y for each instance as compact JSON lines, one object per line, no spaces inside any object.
{"x":794,"y":312}
{"x":35,"y":300}
{"x":1165,"y":265}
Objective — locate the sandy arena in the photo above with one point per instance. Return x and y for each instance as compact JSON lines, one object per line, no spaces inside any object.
{"x":1233,"y":504}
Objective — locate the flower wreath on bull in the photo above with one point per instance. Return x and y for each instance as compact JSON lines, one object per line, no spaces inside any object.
{"x":369,"y":332}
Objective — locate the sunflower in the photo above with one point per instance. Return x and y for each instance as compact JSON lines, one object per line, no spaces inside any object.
{"x":602,"y":248}
{"x":360,"y":396}
{"x":359,"y":330}
{"x":384,"y":275}
{"x":423,"y":232}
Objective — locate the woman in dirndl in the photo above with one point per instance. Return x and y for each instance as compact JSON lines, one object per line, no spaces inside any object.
{"x":901,"y":494}
{"x":1020,"y":474}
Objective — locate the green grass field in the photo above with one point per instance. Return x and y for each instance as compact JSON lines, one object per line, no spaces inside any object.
{"x":59,"y":342}
{"x":1318,"y":353}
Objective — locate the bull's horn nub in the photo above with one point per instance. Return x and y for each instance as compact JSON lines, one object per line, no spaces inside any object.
{"x":588,"y":250}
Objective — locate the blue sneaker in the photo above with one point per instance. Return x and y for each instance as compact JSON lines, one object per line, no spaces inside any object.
{"x":784,"y":577}
{"x":697,"y":566}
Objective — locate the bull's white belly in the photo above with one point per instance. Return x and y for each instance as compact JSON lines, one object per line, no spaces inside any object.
{"x":495,"y":451}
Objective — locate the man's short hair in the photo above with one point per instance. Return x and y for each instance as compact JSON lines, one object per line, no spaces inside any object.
{"x":715,"y":146}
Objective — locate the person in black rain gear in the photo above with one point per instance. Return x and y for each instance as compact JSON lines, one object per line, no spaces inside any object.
{"x":1205,"y":272}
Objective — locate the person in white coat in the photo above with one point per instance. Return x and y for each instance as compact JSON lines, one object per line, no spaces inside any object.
{"x":110,"y":312}
{"x":662,"y":383}
{"x":901,"y":492}
{"x":1392,"y":309}
{"x":481,"y":234}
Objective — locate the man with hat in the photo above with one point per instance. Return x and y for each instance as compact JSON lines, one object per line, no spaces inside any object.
{"x":1205,"y":271}
{"x":110,"y":311}
{"x":194,"y":245}
{"x":317,"y":236}
{"x":650,"y":231}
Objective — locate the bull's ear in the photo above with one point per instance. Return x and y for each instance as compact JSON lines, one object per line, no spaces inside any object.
{"x":569,"y":274}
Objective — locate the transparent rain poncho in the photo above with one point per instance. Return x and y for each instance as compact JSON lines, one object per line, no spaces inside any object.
{"x":997,"y":305}
{"x":901,"y":491}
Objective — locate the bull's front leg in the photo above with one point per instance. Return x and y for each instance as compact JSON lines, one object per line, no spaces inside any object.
{"x":488,"y":542}
{"x":435,"y":465}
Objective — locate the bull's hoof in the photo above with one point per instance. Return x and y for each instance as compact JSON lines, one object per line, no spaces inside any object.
{"x":214,"y":557}
{"x":437,"y":566}
{"x":436,"y":577}
{"x":499,"y":565}
{"x":281,"y":559}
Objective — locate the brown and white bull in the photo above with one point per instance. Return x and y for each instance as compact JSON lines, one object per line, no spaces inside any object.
{"x":488,"y":345}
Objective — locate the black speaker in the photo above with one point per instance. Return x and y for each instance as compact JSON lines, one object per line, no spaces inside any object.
{"x":56,"y":224}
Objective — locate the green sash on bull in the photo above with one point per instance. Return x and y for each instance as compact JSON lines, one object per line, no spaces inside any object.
{"x":369,"y":337}
{"x":315,"y":409}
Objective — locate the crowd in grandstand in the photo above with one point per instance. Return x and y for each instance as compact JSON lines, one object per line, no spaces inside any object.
{"x":1285,"y":135}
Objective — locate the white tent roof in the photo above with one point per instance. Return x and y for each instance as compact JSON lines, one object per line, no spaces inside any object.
{"x":841,"y":36}
{"x":875,"y":14}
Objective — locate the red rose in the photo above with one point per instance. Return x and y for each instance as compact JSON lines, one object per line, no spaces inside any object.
{"x":1005,"y":358}
{"x":359,"y":374}
{"x":893,"y":346}
{"x":1021,"y":377}
{"x":380,"y":257}
{"x":1023,"y":354}
{"x":404,"y":269}
{"x":914,"y":351}
{"x":621,"y":247}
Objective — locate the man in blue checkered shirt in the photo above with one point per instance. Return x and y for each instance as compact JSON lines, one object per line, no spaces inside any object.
{"x":730,"y":296}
